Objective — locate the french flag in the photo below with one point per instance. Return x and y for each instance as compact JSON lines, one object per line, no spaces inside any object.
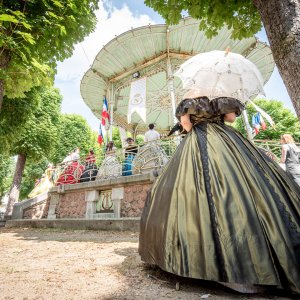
{"x":105,"y":114}
{"x":100,"y":135}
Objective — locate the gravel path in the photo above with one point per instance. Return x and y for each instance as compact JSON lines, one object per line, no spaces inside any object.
{"x":57,"y":264}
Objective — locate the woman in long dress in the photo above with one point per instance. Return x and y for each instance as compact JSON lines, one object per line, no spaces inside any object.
{"x":222,"y":210}
{"x":90,"y":168}
{"x":110,"y":166}
{"x":290,"y":156}
{"x":71,"y":173}
{"x":44,"y":184}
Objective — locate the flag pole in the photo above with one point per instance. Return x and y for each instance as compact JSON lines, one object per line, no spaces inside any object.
{"x":111,"y":102}
{"x":247,"y":125}
{"x":171,"y":80}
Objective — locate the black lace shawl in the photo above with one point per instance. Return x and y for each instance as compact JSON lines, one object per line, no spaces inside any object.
{"x":203,"y":109}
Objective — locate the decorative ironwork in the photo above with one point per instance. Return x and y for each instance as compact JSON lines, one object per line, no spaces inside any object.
{"x":146,"y":158}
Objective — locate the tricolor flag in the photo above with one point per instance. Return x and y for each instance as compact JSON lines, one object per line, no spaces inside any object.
{"x":105,"y":114}
{"x":264,"y":114}
{"x":100,"y":135}
{"x":258,"y":122}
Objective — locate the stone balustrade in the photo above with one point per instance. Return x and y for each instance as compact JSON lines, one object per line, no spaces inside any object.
{"x":122,"y":197}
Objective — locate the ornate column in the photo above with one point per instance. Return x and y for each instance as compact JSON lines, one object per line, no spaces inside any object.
{"x":247,"y":125}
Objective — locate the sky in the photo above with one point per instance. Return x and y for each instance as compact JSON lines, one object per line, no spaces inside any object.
{"x":115,"y":17}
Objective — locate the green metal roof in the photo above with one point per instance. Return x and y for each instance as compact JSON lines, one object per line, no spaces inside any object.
{"x":146,"y":49}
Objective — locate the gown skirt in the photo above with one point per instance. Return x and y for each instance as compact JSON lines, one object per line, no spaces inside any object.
{"x":222,"y":210}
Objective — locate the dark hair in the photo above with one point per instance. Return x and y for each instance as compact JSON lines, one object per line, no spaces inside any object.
{"x":92,"y":151}
{"x":129,"y":139}
{"x":109,"y":146}
{"x":151,"y":126}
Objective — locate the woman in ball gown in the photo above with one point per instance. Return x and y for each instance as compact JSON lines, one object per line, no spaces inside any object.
{"x":290,"y":157}
{"x":44,"y":184}
{"x":222,"y":210}
{"x":72,"y":170}
{"x":110,"y":166}
{"x":90,"y":168}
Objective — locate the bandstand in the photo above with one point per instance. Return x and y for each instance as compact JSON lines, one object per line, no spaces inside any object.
{"x":156,"y":52}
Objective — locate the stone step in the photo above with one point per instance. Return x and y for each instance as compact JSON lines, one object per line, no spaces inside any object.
{"x":103,"y":216}
{"x":122,"y":224}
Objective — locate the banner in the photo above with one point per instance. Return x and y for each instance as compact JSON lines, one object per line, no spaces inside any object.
{"x":137,"y":99}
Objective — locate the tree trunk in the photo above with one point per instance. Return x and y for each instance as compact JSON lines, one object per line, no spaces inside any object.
{"x":14,"y":191}
{"x":281,"y":19}
{"x":4,"y":62}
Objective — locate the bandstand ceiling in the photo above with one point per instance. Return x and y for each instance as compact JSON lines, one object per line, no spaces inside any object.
{"x":146,"y":49}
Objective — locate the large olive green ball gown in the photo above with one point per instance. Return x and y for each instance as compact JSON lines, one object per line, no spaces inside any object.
{"x":222,"y":210}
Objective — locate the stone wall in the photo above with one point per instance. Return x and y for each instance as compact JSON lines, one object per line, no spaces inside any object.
{"x":79,"y":200}
{"x":37,"y":211}
{"x":71,"y":205}
{"x":35,"y":208}
{"x":134,"y":200}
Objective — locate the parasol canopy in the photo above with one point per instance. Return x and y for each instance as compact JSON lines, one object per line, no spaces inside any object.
{"x":221,"y":74}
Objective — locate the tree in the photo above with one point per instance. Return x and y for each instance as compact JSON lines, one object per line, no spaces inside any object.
{"x":13,"y":116}
{"x":6,"y":172}
{"x":33,"y":171}
{"x":34,"y":35}
{"x":74,"y":132}
{"x":37,"y":138}
{"x":281,"y":20}
{"x":285,"y":122}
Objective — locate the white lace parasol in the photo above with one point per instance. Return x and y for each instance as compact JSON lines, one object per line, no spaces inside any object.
{"x":221,"y":74}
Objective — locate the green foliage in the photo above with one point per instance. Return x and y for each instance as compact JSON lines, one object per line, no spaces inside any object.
{"x":39,"y":133}
{"x":29,"y":125}
{"x":285,"y":122}
{"x":239,"y":15}
{"x":13,"y":116}
{"x":32,"y":172}
{"x":6,"y":172}
{"x":116,"y":137}
{"x":99,"y":150}
{"x":35,"y":34}
{"x":139,"y":139}
{"x":73,"y":132}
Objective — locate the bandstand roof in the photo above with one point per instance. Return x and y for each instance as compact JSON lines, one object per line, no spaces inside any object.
{"x":147,"y":49}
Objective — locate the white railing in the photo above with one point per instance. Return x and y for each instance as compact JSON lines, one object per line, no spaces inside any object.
{"x":145,"y":158}
{"x":139,"y":159}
